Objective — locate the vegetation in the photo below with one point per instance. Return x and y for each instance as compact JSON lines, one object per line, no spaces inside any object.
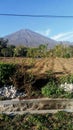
{"x":15,"y":75}
{"x":21,"y":76}
{"x":6,"y":71}
{"x":66,"y":79}
{"x":60,"y":120}
{"x":24,"y":80}
{"x":52,"y":90}
{"x":40,"y":51}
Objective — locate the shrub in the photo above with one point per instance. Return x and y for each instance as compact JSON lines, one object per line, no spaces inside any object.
{"x":23,"y":80}
{"x":6,"y":71}
{"x":53,"y":90}
{"x":67,"y":79}
{"x":16,"y":75}
{"x":50,"y":89}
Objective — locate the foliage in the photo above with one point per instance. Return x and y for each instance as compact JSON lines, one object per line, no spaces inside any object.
{"x":22,"y":79}
{"x":20,"y":51}
{"x":52,"y":89}
{"x":6,"y":72}
{"x":37,"y":52}
{"x":66,"y":79}
{"x":3,"y":44}
{"x":60,"y":120}
{"x":60,"y":50}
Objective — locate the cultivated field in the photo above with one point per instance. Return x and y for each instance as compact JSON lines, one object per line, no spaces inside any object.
{"x":40,"y":66}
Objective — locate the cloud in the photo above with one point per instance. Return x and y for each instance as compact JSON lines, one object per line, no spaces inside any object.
{"x":63,"y":36}
{"x":45,"y":32}
{"x":66,"y":36}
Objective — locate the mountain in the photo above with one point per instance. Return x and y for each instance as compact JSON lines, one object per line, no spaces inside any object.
{"x":29,"y":38}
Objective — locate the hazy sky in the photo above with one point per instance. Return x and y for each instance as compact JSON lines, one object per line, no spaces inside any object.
{"x":56,"y":28}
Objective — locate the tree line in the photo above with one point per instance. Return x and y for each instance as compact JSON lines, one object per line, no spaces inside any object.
{"x":60,"y":50}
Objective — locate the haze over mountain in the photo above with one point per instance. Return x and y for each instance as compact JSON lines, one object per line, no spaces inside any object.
{"x":29,"y":38}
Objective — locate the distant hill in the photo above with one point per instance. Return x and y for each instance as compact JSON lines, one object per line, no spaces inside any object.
{"x":29,"y":38}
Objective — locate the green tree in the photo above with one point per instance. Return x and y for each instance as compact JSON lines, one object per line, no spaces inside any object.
{"x":33,"y":52}
{"x":20,"y":51}
{"x":3,"y":44}
{"x":42,"y":50}
{"x":4,"y":52}
{"x":10,"y":50}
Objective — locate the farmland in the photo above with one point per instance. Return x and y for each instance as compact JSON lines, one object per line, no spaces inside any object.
{"x":39,"y":66}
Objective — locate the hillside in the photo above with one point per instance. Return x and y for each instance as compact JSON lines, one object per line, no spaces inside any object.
{"x":29,"y":38}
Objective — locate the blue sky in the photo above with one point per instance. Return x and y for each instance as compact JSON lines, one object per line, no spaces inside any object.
{"x":58,"y":29}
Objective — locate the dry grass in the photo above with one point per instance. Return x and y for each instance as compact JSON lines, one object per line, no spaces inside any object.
{"x":40,"y":66}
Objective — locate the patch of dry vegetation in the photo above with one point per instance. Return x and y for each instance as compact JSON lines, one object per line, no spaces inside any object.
{"x":39,"y":66}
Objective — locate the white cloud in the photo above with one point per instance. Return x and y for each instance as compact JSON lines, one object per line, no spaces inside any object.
{"x":66,"y":36}
{"x":63,"y":36}
{"x":45,"y":32}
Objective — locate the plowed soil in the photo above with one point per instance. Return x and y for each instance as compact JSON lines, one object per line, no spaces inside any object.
{"x":40,"y":66}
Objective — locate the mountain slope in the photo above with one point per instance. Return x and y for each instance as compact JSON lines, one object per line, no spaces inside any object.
{"x":29,"y":38}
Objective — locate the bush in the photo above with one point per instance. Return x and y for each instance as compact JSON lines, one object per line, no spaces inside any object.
{"x":16,"y":75}
{"x":6,"y":72}
{"x":53,"y":90}
{"x":67,"y":79}
{"x":23,"y":80}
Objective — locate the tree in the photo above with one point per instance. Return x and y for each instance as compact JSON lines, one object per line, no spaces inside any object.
{"x":4,"y":52}
{"x":11,"y":50}
{"x":59,"y":50}
{"x":20,"y":51}
{"x":40,"y":51}
{"x":43,"y":50}
{"x":3,"y":44}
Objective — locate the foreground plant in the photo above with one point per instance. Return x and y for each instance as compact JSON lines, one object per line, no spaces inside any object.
{"x":60,"y":120}
{"x":6,"y":72}
{"x":51,"y":89}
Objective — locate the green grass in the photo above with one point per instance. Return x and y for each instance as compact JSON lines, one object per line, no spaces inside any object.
{"x":52,"y":90}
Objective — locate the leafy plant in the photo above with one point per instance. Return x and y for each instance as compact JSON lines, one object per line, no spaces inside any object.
{"x":6,"y":72}
{"x":67,"y":79}
{"x":53,"y":90}
{"x":60,"y":120}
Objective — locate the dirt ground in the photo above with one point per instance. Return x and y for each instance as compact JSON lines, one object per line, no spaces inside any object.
{"x":40,"y":66}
